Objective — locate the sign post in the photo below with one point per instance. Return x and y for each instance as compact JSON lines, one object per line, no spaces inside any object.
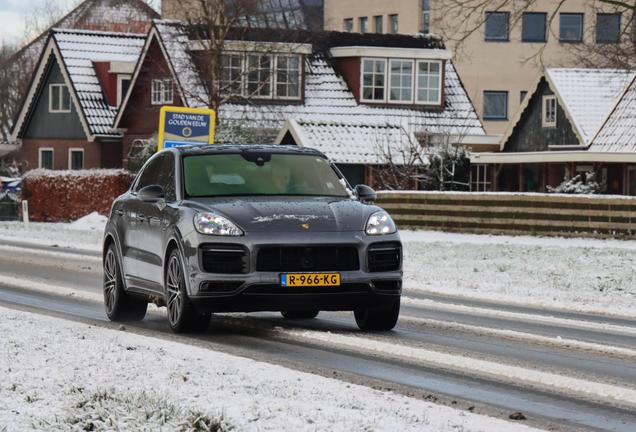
{"x":185,"y":126}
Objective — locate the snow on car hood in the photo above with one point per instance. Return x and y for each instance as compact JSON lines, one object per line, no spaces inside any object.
{"x":290,"y":214}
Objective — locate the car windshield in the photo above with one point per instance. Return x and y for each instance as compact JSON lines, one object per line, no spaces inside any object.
{"x":260,"y":173}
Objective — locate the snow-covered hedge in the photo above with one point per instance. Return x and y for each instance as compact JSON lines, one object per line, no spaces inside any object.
{"x":64,"y":196}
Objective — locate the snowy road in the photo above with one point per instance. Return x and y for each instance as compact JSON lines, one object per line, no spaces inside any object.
{"x":561,"y":369}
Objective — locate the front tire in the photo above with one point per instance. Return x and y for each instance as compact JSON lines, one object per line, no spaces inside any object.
{"x":300,"y":314}
{"x":379,"y":320}
{"x":182,"y":315}
{"x":118,"y":304}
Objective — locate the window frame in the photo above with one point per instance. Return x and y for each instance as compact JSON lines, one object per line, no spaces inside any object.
{"x":161,"y":91}
{"x":618,"y":30}
{"x":275,"y":94}
{"x":60,"y":108}
{"x":572,"y":40}
{"x":523,"y":26}
{"x":70,"y":157}
{"x":394,"y":24}
{"x":378,"y":19}
{"x":523,"y":94}
{"x":46,"y":149}
{"x":363,"y":25}
{"x":362,"y":86}
{"x":484,"y":185}
{"x":505,"y":117}
{"x":497,"y":39}
{"x":388,"y":82}
{"x":347,"y":25}
{"x":120,"y":94}
{"x":440,"y":87}
{"x":552,"y":99}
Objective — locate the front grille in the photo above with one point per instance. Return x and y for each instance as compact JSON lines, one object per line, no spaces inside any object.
{"x":298,"y":259}
{"x":388,"y":285}
{"x":225,"y":259}
{"x":384,"y":257}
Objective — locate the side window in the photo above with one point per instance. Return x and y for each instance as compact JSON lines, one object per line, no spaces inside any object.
{"x":165,"y":177}
{"x":147,"y":175}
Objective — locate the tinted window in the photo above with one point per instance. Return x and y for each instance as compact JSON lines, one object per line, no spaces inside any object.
{"x":497,"y":26}
{"x":570,"y":27}
{"x":165,"y":177}
{"x":260,"y":174}
{"x":533,"y":27}
{"x":147,"y":176}
{"x":495,"y":105}
{"x":608,"y":28}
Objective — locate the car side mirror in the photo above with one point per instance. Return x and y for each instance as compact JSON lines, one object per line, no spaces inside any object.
{"x":365,"y":193}
{"x":152,"y":193}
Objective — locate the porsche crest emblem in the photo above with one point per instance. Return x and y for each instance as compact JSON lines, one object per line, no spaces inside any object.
{"x":306,"y":226}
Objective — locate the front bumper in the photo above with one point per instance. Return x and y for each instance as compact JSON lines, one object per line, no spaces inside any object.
{"x":254,"y":290}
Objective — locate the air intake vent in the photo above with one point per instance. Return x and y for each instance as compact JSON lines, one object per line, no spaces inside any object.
{"x":297,"y":259}
{"x":225,"y":259}
{"x":221,"y":287}
{"x":384,"y":257}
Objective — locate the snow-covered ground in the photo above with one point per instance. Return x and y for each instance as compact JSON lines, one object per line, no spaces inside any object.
{"x":56,"y":372}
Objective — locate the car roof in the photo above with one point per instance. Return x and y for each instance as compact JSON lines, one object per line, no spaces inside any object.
{"x":200,"y":149}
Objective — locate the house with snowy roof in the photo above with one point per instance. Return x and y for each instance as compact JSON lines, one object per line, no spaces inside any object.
{"x":551,"y":137}
{"x":127,"y":16}
{"x":342,"y":93}
{"x":66,"y":118}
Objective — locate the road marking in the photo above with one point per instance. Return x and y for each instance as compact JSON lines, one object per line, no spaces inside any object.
{"x":56,"y":254}
{"x":469,"y":364}
{"x":542,"y":319}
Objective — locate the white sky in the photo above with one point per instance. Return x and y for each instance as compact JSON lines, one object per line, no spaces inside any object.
{"x":11,"y":18}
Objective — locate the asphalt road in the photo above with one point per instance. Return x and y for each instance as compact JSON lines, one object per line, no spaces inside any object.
{"x":564,"y":371}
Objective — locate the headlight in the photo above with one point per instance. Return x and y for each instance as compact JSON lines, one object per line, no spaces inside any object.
{"x":213,"y":224}
{"x":380,"y":223}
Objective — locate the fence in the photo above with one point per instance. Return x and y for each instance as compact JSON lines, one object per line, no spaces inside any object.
{"x":9,"y":207}
{"x":516,"y":214}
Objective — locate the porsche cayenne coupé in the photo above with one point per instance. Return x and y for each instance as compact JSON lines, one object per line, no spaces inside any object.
{"x":237,"y":228}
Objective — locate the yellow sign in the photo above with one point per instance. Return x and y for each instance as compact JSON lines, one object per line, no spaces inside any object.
{"x":185,"y":126}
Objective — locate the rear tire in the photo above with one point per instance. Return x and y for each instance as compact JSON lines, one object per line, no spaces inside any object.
{"x":300,"y":314}
{"x":182,"y":315}
{"x":382,"y":320}
{"x":118,"y":304}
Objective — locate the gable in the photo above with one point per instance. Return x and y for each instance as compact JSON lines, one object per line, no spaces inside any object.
{"x":40,"y":122}
{"x":529,"y":135}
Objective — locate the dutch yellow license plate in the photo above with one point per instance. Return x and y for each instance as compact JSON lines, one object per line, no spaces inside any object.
{"x":310,"y":279}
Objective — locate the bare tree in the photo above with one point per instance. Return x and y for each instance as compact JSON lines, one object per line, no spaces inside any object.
{"x":458,"y":20}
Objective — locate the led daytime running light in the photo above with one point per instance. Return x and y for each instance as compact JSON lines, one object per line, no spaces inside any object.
{"x":213,"y":224}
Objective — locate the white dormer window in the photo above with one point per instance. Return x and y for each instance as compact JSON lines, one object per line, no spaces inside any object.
{"x":162,"y":93}
{"x":123,"y":84}
{"x":429,"y":82}
{"x":59,"y":98}
{"x":401,"y":81}
{"x":549,"y":111}
{"x":373,"y":80}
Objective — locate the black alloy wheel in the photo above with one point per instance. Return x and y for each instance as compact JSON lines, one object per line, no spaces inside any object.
{"x":118,"y":304}
{"x":380,"y":320}
{"x":300,"y":314}
{"x":182,"y":315}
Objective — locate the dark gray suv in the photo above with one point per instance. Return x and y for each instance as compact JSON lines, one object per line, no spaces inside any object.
{"x":236,"y":228}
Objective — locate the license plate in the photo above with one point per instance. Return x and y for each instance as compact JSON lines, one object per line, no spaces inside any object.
{"x":310,"y":279}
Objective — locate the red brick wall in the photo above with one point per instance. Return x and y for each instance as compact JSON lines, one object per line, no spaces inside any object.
{"x":64,"y":196}
{"x":30,"y":152}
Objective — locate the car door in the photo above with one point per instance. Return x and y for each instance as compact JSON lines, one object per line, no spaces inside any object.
{"x":154,"y":227}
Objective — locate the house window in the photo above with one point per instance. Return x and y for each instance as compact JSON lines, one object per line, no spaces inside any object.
{"x":480,"y":178}
{"x":161,"y":92}
{"x":522,"y":96}
{"x":549,"y":111}
{"x":59,"y":98}
{"x":76,"y":158}
{"x":259,"y":75}
{"x":631,"y":178}
{"x":373,"y":73}
{"x":497,"y":26}
{"x":495,"y":105}
{"x":608,"y":28}
{"x":401,"y":81}
{"x":123,"y":84}
{"x":393,"y":24}
{"x":230,"y":74}
{"x":428,"y":82}
{"x":45,"y":159}
{"x":425,"y":25}
{"x":364,"y":25}
{"x":533,"y":27}
{"x":348,"y":25}
{"x":570,"y":27}
{"x":287,"y":76}
{"x":377,"y":24}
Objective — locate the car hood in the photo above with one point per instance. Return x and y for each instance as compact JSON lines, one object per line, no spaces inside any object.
{"x":290,"y":214}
